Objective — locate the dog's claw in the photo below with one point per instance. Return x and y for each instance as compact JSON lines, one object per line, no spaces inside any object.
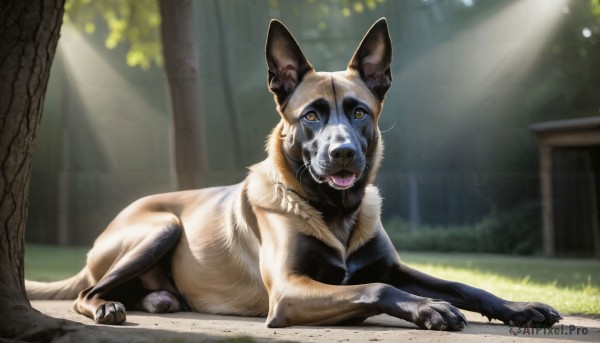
{"x":112,"y":313}
{"x":556,"y":315}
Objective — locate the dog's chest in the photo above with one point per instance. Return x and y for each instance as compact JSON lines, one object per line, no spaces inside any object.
{"x":323,"y":263}
{"x":341,"y":226}
{"x":317,"y":260}
{"x":320,"y":261}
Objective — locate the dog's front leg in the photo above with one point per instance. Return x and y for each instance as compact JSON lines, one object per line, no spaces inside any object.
{"x":299,"y":300}
{"x":473,"y":299}
{"x":377,"y":261}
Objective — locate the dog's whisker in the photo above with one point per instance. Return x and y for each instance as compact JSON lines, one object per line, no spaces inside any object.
{"x":301,"y":170}
{"x":305,"y":169}
{"x":390,"y":128}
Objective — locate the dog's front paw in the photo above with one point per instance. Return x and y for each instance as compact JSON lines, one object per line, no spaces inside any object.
{"x":439,"y":315}
{"x":112,"y":313}
{"x":529,"y":313}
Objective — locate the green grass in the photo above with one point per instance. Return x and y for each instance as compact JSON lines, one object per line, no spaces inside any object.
{"x":571,"y":286}
{"x":50,"y":263}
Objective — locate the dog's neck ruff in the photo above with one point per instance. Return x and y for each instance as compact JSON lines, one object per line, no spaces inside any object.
{"x":287,"y":189}
{"x":267,"y":190}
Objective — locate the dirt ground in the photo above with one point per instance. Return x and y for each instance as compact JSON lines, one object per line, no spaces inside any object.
{"x":196,"y":327}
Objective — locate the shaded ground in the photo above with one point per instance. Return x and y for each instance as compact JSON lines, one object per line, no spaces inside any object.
{"x":196,"y":327}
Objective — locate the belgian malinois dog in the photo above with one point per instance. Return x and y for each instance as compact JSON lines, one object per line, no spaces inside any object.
{"x":300,"y":240}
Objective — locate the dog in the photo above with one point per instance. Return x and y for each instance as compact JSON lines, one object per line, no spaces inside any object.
{"x":300,"y":239}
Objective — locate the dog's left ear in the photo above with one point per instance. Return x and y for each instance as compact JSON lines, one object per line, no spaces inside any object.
{"x":373,"y":58}
{"x":286,"y":62}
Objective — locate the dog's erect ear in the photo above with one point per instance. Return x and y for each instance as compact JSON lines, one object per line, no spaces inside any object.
{"x":286,"y":62}
{"x":373,"y":58}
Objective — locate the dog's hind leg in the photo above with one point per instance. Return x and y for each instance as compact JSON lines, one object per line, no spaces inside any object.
{"x":138,"y":261}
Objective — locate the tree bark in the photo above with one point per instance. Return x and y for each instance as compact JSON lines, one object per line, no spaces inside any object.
{"x":29,"y":32}
{"x":182,"y":69}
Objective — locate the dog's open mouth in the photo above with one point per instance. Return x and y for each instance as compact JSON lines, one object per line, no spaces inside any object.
{"x":342,"y":180}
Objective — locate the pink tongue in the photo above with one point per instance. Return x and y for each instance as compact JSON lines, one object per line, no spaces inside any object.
{"x":343,"y":181}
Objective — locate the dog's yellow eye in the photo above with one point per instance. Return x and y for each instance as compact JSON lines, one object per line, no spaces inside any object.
{"x":359,"y":113}
{"x":311,"y":116}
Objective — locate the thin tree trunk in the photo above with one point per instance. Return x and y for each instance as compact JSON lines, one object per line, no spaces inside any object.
{"x":29,"y":32}
{"x":227,"y":88}
{"x":182,"y":69}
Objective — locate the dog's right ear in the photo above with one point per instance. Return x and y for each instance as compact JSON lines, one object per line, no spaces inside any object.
{"x":286,"y":62}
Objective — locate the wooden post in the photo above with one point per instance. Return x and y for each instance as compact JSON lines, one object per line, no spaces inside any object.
{"x":547,"y":203}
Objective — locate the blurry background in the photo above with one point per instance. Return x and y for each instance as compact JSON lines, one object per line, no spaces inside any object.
{"x":461,"y":170}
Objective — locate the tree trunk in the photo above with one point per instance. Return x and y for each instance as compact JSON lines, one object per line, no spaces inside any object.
{"x":29,"y":32}
{"x":182,"y":69}
{"x":227,"y":88}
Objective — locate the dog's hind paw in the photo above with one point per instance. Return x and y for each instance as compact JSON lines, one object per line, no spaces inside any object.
{"x":112,"y":313}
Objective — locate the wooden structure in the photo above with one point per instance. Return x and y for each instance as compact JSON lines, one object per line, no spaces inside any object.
{"x":570,"y":186}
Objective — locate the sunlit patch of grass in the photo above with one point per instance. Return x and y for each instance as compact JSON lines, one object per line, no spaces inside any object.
{"x":571,"y":286}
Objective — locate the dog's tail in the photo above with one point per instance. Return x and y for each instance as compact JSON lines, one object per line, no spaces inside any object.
{"x":59,"y":290}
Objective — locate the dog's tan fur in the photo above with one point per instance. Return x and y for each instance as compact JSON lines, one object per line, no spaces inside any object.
{"x":236,"y":249}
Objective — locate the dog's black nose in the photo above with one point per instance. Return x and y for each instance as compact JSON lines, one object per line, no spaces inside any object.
{"x":342,"y":151}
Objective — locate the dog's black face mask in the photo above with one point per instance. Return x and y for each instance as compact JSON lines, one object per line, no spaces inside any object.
{"x":334,"y":135}
{"x":331,"y":135}
{"x":332,"y":148}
